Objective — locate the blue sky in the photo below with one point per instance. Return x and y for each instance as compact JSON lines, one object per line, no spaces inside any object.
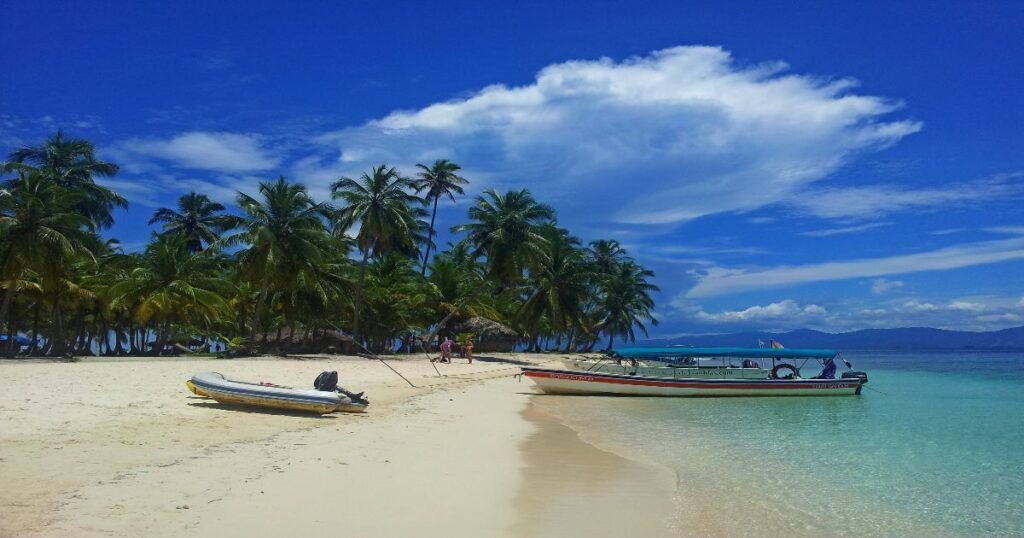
{"x":827,"y":165}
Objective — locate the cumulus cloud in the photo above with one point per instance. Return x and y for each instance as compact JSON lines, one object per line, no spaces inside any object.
{"x":671,"y":136}
{"x":723,"y":280}
{"x":967,"y":313}
{"x":878,"y":200}
{"x":881,"y":286}
{"x":788,"y":311}
{"x":199,"y":150}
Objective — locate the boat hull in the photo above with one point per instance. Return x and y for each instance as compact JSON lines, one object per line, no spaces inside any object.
{"x":585,"y":383}
{"x":647,"y":369}
{"x":234,"y":392}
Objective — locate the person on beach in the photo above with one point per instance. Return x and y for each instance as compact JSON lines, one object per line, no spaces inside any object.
{"x":468,"y":349}
{"x":446,"y":350}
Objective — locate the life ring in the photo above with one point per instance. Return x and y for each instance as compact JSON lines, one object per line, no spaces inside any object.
{"x":794,"y":369}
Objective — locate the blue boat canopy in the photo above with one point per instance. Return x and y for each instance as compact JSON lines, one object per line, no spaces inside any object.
{"x":702,"y":352}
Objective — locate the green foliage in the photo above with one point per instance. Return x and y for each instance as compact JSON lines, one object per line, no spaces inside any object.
{"x":279,"y":274}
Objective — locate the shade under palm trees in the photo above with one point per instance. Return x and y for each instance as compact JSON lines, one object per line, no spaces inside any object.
{"x":439,"y":179}
{"x":387,"y":214}
{"x":198,"y":219}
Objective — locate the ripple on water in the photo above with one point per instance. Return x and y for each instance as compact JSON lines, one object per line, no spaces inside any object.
{"x":934,"y":453}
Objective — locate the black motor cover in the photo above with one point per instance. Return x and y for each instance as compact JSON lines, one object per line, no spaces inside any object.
{"x":860,"y":375}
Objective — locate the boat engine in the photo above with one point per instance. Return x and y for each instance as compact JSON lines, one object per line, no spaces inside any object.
{"x":863,"y":376}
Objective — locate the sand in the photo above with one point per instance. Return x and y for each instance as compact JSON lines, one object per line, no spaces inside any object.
{"x":119,"y":447}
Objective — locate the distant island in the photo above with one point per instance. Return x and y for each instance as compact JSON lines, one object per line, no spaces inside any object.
{"x":900,"y":338}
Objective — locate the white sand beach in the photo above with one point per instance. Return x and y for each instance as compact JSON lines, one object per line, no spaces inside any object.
{"x":119,"y":447}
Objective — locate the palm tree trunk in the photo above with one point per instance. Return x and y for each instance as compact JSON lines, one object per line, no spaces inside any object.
{"x":359,"y":295}
{"x":8,"y":296}
{"x":611,"y":337}
{"x":430,"y":238}
{"x":59,"y":345}
{"x":256,"y":319}
{"x":35,"y":327}
{"x":12,"y":332}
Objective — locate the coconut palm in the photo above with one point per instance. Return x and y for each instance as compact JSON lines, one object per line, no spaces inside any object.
{"x":286,"y":237}
{"x":439,"y":179}
{"x":174,"y":285}
{"x":41,"y":230}
{"x":626,"y":302}
{"x":606,"y":255}
{"x":558,"y":285}
{"x":198,"y":219}
{"x":507,"y":231}
{"x":387,"y":214}
{"x":72,"y":164}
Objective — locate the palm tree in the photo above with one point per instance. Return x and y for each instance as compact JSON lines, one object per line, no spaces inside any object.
{"x":606,"y":255}
{"x":558,"y":285}
{"x":438,"y":180}
{"x":287,"y":240}
{"x":72,"y":163}
{"x":41,"y":230}
{"x":197,"y":218}
{"x":507,"y":231}
{"x":174,"y":285}
{"x":388,"y":218}
{"x":626,"y":302}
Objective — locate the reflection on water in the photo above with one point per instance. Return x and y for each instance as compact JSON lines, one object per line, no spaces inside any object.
{"x":938,"y":451}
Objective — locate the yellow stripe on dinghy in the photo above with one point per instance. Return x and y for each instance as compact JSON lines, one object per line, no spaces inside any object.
{"x":195,"y":390}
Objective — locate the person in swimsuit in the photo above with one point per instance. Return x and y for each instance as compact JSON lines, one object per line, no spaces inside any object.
{"x":446,"y":350}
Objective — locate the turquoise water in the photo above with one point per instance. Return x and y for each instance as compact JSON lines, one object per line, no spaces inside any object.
{"x":934,"y":448}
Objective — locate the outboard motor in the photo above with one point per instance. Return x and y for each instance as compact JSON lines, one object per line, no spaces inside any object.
{"x":863,"y":376}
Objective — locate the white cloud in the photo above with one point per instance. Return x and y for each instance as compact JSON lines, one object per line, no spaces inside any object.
{"x":677,"y":134}
{"x":844,"y":230}
{"x":881,"y":286}
{"x":788,"y":311}
{"x":915,"y":305}
{"x":199,"y":150}
{"x":878,"y":200}
{"x":964,"y":314}
{"x":721,"y":280}
{"x":983,"y":313}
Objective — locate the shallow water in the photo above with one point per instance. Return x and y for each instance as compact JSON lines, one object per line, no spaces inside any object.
{"x":935,"y":447}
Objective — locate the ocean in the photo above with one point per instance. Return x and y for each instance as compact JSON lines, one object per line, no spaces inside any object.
{"x":934,"y":447}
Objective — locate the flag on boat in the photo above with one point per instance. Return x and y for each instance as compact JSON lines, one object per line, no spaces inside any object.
{"x":760,"y":343}
{"x":777,"y":345}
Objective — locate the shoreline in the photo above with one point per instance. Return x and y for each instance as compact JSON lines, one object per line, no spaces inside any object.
{"x":572,"y":487}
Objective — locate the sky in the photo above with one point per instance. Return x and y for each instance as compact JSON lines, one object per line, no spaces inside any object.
{"x":828,"y":165}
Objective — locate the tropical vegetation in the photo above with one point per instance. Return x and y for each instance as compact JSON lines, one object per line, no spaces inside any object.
{"x":279,"y":270}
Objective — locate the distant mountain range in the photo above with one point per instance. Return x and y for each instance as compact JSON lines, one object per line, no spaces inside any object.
{"x":903,"y":338}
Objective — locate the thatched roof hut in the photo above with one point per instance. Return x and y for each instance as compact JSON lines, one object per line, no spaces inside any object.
{"x":488,"y":335}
